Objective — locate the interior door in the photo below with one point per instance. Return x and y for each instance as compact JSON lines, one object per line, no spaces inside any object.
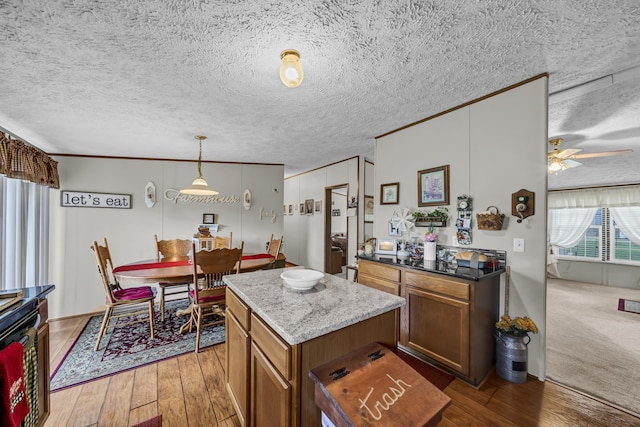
{"x":335,"y":221}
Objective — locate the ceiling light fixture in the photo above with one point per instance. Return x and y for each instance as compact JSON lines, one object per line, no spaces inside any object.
{"x":199,"y":186}
{"x":556,"y":165}
{"x":291,"y":72}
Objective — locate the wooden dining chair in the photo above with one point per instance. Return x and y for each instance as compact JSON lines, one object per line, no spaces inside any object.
{"x":172,"y":250}
{"x":209,"y":291}
{"x":274,"y":249}
{"x":221,"y":242}
{"x":121,"y":302}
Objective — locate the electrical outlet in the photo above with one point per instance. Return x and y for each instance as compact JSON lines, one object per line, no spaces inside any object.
{"x":518,"y":245}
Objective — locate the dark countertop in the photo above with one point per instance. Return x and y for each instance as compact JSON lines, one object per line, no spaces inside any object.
{"x":29,"y":302}
{"x":443,"y":267}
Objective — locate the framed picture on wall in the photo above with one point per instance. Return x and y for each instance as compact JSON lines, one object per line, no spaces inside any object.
{"x":308,"y":206}
{"x":208,"y":218}
{"x":290,"y":209}
{"x":318,"y":206}
{"x":433,"y":186}
{"x":302,"y":209}
{"x":389,"y":193}
{"x":368,"y":208}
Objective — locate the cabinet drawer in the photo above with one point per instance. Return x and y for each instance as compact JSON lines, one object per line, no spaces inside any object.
{"x":378,"y":270}
{"x":238,"y":308}
{"x":276,"y":350}
{"x":441,"y":285}
{"x":379,"y":284}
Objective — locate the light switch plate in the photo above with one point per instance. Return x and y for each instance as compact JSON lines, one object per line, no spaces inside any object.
{"x":518,"y":245}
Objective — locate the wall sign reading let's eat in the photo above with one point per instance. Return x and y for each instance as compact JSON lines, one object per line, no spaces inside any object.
{"x":81,"y":199}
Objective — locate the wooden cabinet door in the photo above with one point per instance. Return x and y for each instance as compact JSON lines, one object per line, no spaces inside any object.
{"x":438,"y":327}
{"x":237,"y":375}
{"x":270,"y":393}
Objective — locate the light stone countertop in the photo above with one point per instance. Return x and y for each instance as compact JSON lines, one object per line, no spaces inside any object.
{"x":299,"y":316}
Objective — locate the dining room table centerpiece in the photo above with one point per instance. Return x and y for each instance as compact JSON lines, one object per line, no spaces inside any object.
{"x":512,"y":339}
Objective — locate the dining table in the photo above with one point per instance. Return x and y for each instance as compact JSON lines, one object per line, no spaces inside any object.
{"x":154,"y":271}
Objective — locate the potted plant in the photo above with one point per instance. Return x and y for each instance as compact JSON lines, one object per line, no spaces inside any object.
{"x":512,"y":338}
{"x":435,"y":218}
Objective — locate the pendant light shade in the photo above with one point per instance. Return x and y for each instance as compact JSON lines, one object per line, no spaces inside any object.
{"x":291,"y":72}
{"x":199,"y":186}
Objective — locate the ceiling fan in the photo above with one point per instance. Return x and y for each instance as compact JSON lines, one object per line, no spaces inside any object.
{"x":559,"y":160}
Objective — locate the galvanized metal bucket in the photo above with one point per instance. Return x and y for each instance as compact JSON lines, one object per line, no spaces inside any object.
{"x":511,"y":357}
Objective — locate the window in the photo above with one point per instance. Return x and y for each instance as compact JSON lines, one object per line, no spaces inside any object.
{"x":623,"y":249}
{"x":603,"y":241}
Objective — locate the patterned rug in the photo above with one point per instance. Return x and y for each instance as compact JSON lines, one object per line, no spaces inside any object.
{"x":129,"y":347}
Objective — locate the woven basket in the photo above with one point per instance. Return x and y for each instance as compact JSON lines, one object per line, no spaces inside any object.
{"x":490,"y":220}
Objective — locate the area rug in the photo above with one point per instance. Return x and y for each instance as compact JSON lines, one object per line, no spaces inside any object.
{"x":129,"y":347}
{"x":153,"y":422}
{"x":629,"y":305}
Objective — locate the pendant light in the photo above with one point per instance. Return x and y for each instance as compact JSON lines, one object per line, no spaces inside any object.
{"x":199,"y":186}
{"x":291,"y":72}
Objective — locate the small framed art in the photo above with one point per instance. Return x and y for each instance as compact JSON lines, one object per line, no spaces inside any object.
{"x":208,"y":218}
{"x":389,"y":193}
{"x":368,"y":208}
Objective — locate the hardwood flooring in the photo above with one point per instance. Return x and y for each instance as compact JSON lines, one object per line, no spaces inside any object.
{"x":189,"y":391}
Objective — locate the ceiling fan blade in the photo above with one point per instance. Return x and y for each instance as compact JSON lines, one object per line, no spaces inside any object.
{"x":563,"y":154}
{"x":571,"y":163}
{"x":601,"y":154}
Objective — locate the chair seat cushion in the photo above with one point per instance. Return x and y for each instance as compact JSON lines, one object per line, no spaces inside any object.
{"x":129,"y":294}
{"x":208,"y":298}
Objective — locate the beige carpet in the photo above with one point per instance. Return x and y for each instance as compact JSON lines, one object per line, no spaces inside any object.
{"x":591,"y":346}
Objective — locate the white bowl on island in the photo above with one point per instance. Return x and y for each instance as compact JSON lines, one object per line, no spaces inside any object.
{"x":301,"y":279}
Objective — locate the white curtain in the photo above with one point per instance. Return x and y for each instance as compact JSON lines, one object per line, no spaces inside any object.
{"x":24,"y":242}
{"x":607,"y":197}
{"x":628,"y":220}
{"x":567,"y":226}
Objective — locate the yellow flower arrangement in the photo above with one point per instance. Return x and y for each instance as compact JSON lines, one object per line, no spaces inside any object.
{"x":518,"y":326}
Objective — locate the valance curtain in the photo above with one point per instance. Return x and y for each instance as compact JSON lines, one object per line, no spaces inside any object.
{"x":21,"y":161}
{"x":609,"y":197}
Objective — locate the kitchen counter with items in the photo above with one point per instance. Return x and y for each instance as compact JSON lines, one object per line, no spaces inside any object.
{"x":275,"y":335}
{"x":448,"y":262}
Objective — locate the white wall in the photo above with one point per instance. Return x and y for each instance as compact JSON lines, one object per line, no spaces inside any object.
{"x":494,"y":147}
{"x":600,"y":273}
{"x":304,"y":234}
{"x":72,"y":266}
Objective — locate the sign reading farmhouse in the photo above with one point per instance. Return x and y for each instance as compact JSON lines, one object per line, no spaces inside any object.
{"x":175,"y":196}
{"x":81,"y":199}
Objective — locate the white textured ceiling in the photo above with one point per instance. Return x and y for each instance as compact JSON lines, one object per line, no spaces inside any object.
{"x":140,"y":78}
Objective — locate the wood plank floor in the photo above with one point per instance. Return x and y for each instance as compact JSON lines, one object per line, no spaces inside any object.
{"x":189,"y":391}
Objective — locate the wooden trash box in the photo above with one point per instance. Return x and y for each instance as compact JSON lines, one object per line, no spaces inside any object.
{"x":373,"y":387}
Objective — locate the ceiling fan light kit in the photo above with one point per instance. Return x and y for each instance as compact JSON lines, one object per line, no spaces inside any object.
{"x":291,"y":72}
{"x":559,"y":160}
{"x":199,"y":186}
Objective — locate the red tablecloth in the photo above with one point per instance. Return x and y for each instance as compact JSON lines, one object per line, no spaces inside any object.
{"x":149,"y":265}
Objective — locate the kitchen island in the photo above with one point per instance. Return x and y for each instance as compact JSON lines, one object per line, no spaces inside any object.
{"x":276,"y":335}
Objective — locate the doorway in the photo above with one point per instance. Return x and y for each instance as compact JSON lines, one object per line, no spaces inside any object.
{"x":336,"y":228}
